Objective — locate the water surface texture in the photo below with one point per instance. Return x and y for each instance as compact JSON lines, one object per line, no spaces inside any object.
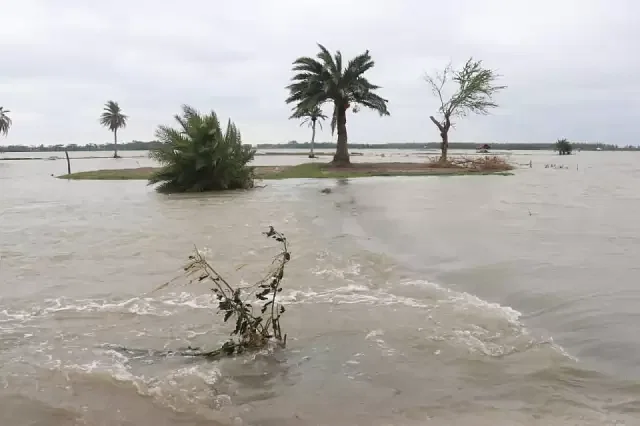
{"x":485,"y":300}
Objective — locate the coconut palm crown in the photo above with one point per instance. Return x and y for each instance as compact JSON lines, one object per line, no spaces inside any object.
{"x":327,"y":79}
{"x":311,"y":117}
{"x":113,"y":119}
{"x":5,"y":121}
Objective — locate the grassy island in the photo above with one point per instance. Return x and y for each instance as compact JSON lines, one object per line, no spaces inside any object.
{"x":320,"y":170}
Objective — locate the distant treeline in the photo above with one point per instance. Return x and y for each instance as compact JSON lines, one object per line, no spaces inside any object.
{"x":126,"y":146}
{"x":144,"y":146}
{"x":459,"y":145}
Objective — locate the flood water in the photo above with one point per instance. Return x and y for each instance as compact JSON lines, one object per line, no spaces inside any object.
{"x":486,"y":300}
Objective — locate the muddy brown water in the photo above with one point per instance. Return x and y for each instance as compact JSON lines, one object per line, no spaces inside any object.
{"x":483,"y":300}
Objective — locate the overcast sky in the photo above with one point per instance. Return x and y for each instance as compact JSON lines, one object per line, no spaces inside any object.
{"x":572,"y":66}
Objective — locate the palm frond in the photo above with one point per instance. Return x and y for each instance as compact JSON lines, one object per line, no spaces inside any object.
{"x":372,"y":101}
{"x":358,"y":66}
{"x":308,"y":65}
{"x":305,"y":121}
{"x":309,"y":116}
{"x":199,"y":156}
{"x":5,"y":121}
{"x":327,"y":79}
{"x":112,"y":116}
{"x":328,"y":61}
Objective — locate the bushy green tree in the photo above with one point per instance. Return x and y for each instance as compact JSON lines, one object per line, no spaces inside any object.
{"x":474,"y":95}
{"x":198,"y":156}
{"x":564,"y":147}
{"x":329,"y":79}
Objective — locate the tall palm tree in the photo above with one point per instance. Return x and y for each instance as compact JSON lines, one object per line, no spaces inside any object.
{"x":321,"y":80}
{"x":5,"y":121}
{"x":113,"y":119}
{"x":311,"y":117}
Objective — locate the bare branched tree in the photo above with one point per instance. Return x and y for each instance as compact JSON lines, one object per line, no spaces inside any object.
{"x":474,"y":95}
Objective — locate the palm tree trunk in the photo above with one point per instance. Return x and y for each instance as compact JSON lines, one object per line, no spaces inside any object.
{"x":115,"y":143}
{"x":341,"y":158}
{"x":313,"y":139}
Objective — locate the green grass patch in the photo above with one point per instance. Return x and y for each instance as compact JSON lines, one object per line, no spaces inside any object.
{"x":360,"y":170}
{"x":302,"y":171}
{"x":142,"y":173}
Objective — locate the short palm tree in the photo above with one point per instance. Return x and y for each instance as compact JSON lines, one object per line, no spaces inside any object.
{"x":5,"y":121}
{"x":113,"y":119}
{"x":325,"y":79}
{"x":311,"y":117}
{"x":198,"y":156}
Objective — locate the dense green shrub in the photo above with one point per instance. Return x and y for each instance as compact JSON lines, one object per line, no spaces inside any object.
{"x":198,"y":156}
{"x":564,"y":147}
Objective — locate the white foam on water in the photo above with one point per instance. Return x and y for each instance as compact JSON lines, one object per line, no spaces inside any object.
{"x":463,"y":301}
{"x":376,"y":336}
{"x":191,"y":300}
{"x":459,"y":318}
{"x":353,"y":270}
{"x":491,"y":329}
{"x":6,"y":316}
{"x":350,"y":294}
{"x":177,"y":387}
{"x":136,"y":305}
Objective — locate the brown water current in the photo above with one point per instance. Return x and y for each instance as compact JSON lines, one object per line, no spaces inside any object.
{"x":485,"y":300}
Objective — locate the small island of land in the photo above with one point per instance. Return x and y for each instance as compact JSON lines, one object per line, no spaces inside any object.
{"x":322,"y":170}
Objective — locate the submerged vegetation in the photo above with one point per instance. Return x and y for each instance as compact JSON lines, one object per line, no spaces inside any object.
{"x":198,"y":156}
{"x":563,"y":147}
{"x":484,"y":164}
{"x":256,"y":322}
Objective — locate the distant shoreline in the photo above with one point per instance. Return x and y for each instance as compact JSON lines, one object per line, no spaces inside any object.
{"x":58,"y":157}
{"x":55,"y":155}
{"x":324,"y":146}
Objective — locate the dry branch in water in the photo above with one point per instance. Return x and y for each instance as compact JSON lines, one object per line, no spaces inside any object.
{"x":480,"y":164}
{"x":255,"y":323}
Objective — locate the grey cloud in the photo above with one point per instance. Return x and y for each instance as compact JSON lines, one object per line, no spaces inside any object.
{"x":570,"y":65}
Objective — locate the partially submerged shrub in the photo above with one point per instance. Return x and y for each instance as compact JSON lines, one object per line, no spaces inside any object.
{"x":488,"y":163}
{"x":198,"y":156}
{"x":564,"y":147}
{"x":255,"y":323}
